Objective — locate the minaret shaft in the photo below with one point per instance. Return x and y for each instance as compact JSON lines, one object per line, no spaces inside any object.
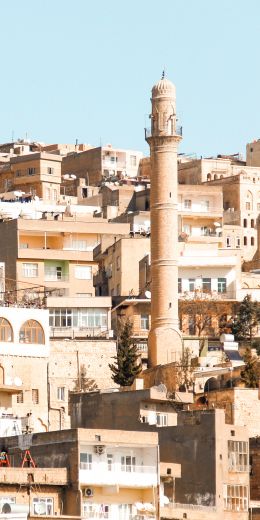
{"x":164,"y":341}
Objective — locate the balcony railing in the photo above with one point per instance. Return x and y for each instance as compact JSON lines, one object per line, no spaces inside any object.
{"x":111,"y":516}
{"x":164,"y":132}
{"x":239,"y":468}
{"x":53,"y":277}
{"x":129,"y":476}
{"x":206,"y":295}
{"x":79,"y":332}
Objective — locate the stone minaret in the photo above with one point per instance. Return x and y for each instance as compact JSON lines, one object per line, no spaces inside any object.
{"x":164,"y":342}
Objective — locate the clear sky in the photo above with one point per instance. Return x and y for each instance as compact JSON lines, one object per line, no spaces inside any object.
{"x":84,"y":69}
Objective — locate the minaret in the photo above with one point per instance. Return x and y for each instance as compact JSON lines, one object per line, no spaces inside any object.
{"x":164,"y":342}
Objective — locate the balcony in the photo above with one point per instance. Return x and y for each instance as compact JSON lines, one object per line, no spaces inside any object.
{"x":239,"y":468}
{"x":55,"y":254}
{"x":36,"y":476}
{"x":112,"y":516}
{"x":128,"y":476}
{"x":206,"y":295}
{"x":164,"y":132}
{"x":80,"y":332}
{"x":53,"y":277}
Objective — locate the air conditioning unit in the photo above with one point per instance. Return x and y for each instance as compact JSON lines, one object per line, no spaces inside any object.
{"x":88,"y":492}
{"x":99,"y":449}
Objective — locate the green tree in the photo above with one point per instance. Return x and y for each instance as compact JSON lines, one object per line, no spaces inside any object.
{"x":185,"y":368}
{"x":246,"y":320}
{"x":127,"y":365}
{"x":250,"y":374}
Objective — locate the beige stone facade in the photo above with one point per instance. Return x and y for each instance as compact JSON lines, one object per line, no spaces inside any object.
{"x":111,"y":473}
{"x":101,"y":163}
{"x":36,"y":174}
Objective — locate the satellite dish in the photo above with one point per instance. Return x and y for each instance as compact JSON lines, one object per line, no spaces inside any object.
{"x":216,"y":224}
{"x":148,"y":294}
{"x":40,"y":508}
{"x":18,"y":381}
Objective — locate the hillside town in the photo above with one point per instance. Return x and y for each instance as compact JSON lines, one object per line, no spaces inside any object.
{"x":130,"y":328}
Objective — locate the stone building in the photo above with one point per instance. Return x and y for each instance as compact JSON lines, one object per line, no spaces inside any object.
{"x":102,"y":163}
{"x":24,"y":348}
{"x":109,"y":474}
{"x":213,"y":455}
{"x":51,"y":256}
{"x":37,"y":173}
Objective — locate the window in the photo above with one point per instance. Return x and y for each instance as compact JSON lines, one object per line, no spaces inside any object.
{"x":245,"y":241}
{"x":222,"y":285}
{"x":19,"y":398}
{"x":31,"y":171}
{"x":61,"y":393}
{"x":48,"y":193}
{"x":252,"y":223}
{"x":238,"y":455}
{"x":53,"y":272}
{"x":86,"y":317}
{"x":54,"y":194}
{"x":35,"y":396}
{"x":161,"y":419}
{"x":204,"y":205}
{"x":118,"y":262}
{"x":228,"y":242}
{"x":31,"y":332}
{"x":128,"y":463}
{"x":18,"y":173}
{"x":83,"y":272}
{"x":245,"y":222}
{"x":187,"y":204}
{"x":252,"y":241}
{"x":133,"y":160}
{"x":6,"y":331}
{"x":145,"y":321}
{"x":191,"y":284}
{"x":43,"y":506}
{"x":235,"y":497}
{"x":237,"y":242}
{"x":109,"y":462}
{"x":248,"y":206}
{"x":50,"y":170}
{"x":30,"y":270}
{"x":86,"y":461}
{"x":186,"y":229}
{"x":79,"y":245}
{"x":118,"y":289}
{"x":125,"y":511}
{"x":206,"y":284}
{"x":179,"y":285}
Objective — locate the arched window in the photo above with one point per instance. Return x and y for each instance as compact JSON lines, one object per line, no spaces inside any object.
{"x":215,"y":177}
{"x":6,"y":331}
{"x":208,"y":177}
{"x":249,"y":201}
{"x":31,"y":332}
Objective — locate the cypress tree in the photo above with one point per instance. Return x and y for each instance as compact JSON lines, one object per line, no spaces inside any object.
{"x":127,"y":365}
{"x":246,"y":319}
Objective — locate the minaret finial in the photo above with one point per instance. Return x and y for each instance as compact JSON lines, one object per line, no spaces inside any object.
{"x":163,"y":73}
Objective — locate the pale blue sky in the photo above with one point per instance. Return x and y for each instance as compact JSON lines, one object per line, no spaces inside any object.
{"x":84,"y":69}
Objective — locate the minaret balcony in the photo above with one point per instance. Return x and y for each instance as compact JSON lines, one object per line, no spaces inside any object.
{"x":163,"y":132}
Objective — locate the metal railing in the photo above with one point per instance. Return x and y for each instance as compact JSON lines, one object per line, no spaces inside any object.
{"x":54,"y":278}
{"x":166,"y":131}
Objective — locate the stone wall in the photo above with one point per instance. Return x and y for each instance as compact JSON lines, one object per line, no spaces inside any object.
{"x":76,"y":365}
